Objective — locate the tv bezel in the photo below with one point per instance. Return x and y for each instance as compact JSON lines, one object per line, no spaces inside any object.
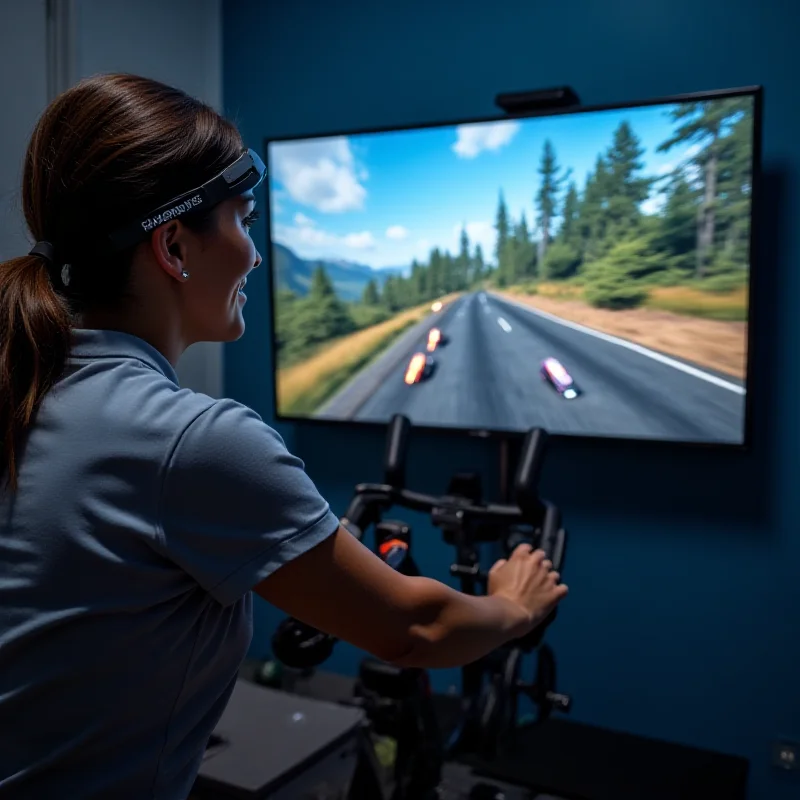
{"x":755,"y":91}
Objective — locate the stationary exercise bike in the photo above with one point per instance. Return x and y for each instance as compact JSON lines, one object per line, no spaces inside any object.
{"x":398,"y":700}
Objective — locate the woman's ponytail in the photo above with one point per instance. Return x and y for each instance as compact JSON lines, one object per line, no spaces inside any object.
{"x":104,"y":152}
{"x":35,"y":330}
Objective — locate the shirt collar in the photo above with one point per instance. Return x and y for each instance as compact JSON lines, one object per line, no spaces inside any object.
{"x":91,"y":343}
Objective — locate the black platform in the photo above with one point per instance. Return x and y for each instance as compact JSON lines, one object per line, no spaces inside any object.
{"x":284,"y":746}
{"x":583,"y":762}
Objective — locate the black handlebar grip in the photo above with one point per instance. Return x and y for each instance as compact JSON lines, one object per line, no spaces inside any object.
{"x":553,"y":541}
{"x":396,"y":448}
{"x":551,"y":530}
{"x":531,"y":458}
{"x":559,"y":550}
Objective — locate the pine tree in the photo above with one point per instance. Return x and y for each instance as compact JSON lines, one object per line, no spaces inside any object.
{"x":676,"y":233}
{"x":735,"y":190}
{"x":390,"y":294}
{"x":592,"y":216}
{"x":322,"y":315}
{"x":524,"y":254}
{"x":449,"y":272}
{"x":419,"y":281}
{"x":321,"y":285}
{"x":704,"y":124}
{"x":463,"y":261}
{"x":547,"y":195}
{"x":479,"y":268}
{"x":569,"y":232}
{"x":370,"y":296}
{"x":436,"y":273}
{"x":503,"y":228}
{"x":625,"y":188}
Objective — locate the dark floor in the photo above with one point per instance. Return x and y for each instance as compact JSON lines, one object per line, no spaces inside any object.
{"x":567,"y":760}
{"x":458,"y":779}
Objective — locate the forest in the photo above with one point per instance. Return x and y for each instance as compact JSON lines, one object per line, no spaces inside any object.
{"x":595,"y":238}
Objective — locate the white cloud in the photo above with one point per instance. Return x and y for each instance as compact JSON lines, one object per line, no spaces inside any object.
{"x":396,"y":232}
{"x":302,"y":219}
{"x":476,"y":137}
{"x":299,"y":235}
{"x":360,"y":241}
{"x":320,"y":173}
{"x":275,"y":201}
{"x":310,"y":241}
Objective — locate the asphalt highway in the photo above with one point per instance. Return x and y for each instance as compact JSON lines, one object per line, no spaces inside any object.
{"x":487,"y":377}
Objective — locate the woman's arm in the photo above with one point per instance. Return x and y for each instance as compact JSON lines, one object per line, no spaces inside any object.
{"x":344,"y":589}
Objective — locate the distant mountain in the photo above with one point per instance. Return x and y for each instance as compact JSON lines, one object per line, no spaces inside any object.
{"x":349,"y":278}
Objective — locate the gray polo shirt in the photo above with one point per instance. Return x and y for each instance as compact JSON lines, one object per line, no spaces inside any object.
{"x":145,"y":513}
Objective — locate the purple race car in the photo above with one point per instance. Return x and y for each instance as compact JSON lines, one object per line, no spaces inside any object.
{"x":556,"y":375}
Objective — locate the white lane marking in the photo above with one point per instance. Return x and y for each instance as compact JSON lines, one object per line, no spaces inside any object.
{"x":504,"y":325}
{"x":636,"y":348}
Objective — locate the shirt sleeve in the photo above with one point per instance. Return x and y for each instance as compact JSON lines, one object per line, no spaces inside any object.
{"x":236,"y":504}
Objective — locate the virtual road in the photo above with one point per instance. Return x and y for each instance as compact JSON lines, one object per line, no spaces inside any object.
{"x":487,"y":377}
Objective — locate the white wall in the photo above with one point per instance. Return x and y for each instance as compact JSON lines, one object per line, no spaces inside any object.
{"x":179,"y":43}
{"x":23,"y":96}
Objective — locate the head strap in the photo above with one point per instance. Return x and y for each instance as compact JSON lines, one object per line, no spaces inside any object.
{"x":44,"y":250}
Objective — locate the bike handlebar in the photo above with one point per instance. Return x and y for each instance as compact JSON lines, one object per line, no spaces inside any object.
{"x":526,"y":479}
{"x":493,"y":520}
{"x":299,"y":645}
{"x":382,"y":496}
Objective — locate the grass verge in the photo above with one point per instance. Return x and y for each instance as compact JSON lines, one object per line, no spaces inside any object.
{"x":711,"y":343}
{"x":304,"y":387}
{"x":726,"y":307}
{"x":688,"y":301}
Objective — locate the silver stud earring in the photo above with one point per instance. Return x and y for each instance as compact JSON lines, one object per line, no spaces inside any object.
{"x":185,"y":275}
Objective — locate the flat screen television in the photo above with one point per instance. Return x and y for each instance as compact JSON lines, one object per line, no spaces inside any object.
{"x":584,"y":270}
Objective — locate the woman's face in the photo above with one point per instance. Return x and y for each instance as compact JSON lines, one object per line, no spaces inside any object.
{"x":218,"y":263}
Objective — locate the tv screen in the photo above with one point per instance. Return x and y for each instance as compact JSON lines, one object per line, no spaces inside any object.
{"x":586,"y":271}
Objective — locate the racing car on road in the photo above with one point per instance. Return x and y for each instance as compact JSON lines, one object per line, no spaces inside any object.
{"x":436,"y":338}
{"x":554,"y":372}
{"x":419,"y":368}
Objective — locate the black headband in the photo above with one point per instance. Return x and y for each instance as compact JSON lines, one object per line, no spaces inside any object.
{"x":246,"y":172}
{"x":47,"y":252}
{"x":243,"y":175}
{"x":44,"y":250}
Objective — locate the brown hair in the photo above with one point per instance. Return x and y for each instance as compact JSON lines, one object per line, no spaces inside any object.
{"x":108,"y":149}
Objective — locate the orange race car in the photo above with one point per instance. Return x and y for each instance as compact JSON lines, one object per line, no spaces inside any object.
{"x":419,"y":368}
{"x":435,"y":339}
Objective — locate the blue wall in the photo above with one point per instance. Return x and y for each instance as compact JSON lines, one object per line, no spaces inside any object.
{"x":684,"y":617}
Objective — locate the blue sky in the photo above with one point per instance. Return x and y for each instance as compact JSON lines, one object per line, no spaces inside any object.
{"x":384,"y":199}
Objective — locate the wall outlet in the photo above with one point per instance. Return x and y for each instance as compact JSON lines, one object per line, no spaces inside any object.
{"x":786,"y":755}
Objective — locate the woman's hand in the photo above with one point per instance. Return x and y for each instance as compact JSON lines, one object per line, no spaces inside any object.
{"x":528,"y":580}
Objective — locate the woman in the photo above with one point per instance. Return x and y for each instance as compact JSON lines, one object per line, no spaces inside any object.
{"x":136,"y":517}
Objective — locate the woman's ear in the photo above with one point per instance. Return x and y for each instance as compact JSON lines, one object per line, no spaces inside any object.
{"x":167,"y":246}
